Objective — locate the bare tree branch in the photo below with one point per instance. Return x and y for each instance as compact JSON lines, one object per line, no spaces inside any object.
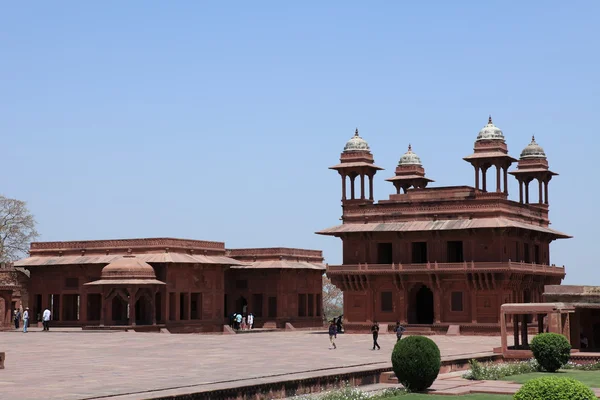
{"x":333,"y":300}
{"x":17,"y":229}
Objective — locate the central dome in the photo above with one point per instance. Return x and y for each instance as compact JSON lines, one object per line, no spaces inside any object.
{"x":490,"y":132}
{"x":128,"y":267}
{"x":356,"y":143}
{"x":409,"y":158}
{"x":533,"y":150}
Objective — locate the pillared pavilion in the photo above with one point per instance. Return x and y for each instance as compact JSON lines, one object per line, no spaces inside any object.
{"x":437,"y":257}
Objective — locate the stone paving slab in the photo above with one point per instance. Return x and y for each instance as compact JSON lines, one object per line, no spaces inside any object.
{"x":75,"y":365}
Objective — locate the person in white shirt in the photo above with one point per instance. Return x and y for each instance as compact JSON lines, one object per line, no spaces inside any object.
{"x":46,"y":319}
{"x":250,"y":320}
{"x":25,"y":319}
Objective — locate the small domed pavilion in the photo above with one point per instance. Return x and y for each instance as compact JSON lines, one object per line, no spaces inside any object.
{"x":356,"y":160}
{"x":409,"y":173}
{"x":533,"y":164}
{"x":129,"y":286}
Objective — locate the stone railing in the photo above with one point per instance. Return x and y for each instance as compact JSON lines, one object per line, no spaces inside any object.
{"x":447,"y":267}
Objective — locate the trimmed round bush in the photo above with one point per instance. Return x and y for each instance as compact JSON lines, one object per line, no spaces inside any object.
{"x":551,"y":350}
{"x":416,"y":362}
{"x":554,"y":388}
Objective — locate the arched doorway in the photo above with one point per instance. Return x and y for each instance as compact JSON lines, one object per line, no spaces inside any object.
{"x":143,"y":311}
{"x":421,"y":311}
{"x":120,"y":312}
{"x":241,"y":305}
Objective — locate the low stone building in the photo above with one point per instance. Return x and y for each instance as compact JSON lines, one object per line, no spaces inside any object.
{"x":184,"y":285}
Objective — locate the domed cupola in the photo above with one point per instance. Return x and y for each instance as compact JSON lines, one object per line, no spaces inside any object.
{"x":409,"y":173}
{"x":356,"y":143}
{"x":533,"y":150}
{"x":356,"y":161}
{"x":490,"y":132}
{"x":409,"y":158}
{"x":533,"y":165}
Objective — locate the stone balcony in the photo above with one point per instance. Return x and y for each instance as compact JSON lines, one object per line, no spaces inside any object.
{"x":463,"y":267}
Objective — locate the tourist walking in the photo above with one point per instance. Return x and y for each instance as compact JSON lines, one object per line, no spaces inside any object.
{"x":250,"y":320}
{"x":332,"y":334}
{"x":17,"y":318}
{"x":25,"y":319}
{"x":399,"y":329}
{"x":238,"y":320}
{"x":375,"y":332}
{"x":46,"y":319}
{"x":244,"y":324}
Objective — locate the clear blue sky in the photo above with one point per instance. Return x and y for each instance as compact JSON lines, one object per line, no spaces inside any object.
{"x":199,"y":120}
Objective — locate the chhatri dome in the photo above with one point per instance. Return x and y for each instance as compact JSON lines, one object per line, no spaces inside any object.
{"x":409,"y":158}
{"x":490,"y":132}
{"x":356,"y":143}
{"x":533,"y":150}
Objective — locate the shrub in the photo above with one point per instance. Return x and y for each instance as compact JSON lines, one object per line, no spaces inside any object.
{"x":554,"y":388}
{"x":493,"y":371}
{"x":416,"y":362}
{"x":551,"y":350}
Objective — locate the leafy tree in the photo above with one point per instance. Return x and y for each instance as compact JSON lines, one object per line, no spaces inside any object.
{"x":332,"y":300}
{"x":17,"y":229}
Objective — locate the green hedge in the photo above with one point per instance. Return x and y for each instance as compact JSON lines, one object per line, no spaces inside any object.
{"x":416,"y":362}
{"x":554,"y":388}
{"x":551,"y":350}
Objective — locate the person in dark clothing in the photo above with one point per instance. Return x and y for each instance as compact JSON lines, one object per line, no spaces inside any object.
{"x":375,"y":332}
{"x":399,"y":329}
{"x":17,"y":318}
{"x":339,"y":324}
{"x":333,"y":333}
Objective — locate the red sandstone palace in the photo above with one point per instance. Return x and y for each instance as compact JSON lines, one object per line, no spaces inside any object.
{"x":183,"y":285}
{"x":444,"y":256}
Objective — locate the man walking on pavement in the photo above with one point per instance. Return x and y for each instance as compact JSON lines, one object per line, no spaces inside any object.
{"x":46,"y":319}
{"x":333,"y":334}
{"x":25,"y":319}
{"x":399,"y":329}
{"x":375,"y":332}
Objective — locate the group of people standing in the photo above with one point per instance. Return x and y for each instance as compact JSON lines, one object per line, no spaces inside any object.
{"x":46,"y":316}
{"x":241,"y":322}
{"x":333,"y":331}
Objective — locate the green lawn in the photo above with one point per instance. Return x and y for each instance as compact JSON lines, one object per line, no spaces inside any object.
{"x":590,"y":378}
{"x":465,"y":397}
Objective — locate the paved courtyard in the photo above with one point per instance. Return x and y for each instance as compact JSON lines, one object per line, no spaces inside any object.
{"x":67,"y":364}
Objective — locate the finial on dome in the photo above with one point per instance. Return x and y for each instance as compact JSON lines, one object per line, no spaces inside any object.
{"x":409,"y":147}
{"x":356,"y":132}
{"x":532,"y":138}
{"x":490,"y":119}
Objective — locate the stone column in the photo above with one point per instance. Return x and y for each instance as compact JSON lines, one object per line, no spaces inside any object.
{"x":516,"y":329}
{"x":437,"y":305}
{"x":362,"y":186}
{"x":352,"y":177}
{"x":520,"y":191}
{"x":484,"y":179}
{"x":343,"y":186}
{"x":371,"y":196}
{"x":506,"y":180}
{"x":153,"y":305}
{"x":546,"y":192}
{"x":498,"y":188}
{"x":83,"y":307}
{"x":473,"y":306}
{"x":102,"y":307}
{"x":61,"y":304}
{"x":132,"y":293}
{"x":477,"y":177}
{"x":524,"y":341}
{"x":540,"y":198}
{"x":526,"y":192}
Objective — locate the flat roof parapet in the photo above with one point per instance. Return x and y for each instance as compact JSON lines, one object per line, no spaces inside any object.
{"x":124,"y":244}
{"x":276,"y":252}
